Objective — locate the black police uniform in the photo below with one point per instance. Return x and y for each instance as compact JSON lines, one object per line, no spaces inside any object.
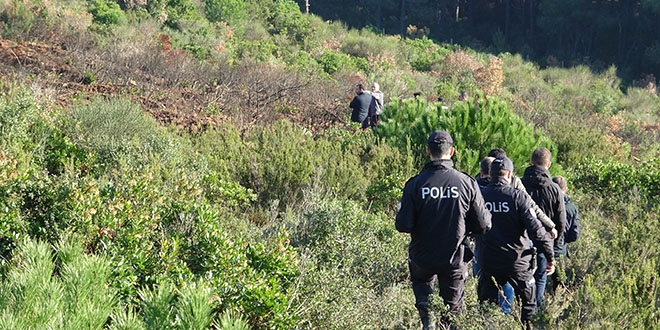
{"x":439,"y":208}
{"x":504,"y":253}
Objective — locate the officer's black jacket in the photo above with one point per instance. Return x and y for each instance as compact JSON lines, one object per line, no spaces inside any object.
{"x":547,"y":195}
{"x":506,"y":246}
{"x":439,"y":207}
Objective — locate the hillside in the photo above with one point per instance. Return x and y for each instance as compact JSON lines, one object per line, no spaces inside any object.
{"x":59,"y":68}
{"x":191,"y":165}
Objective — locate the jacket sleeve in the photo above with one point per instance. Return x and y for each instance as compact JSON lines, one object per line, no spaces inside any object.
{"x":534,"y":227}
{"x":478,"y":219}
{"x":560,"y":215}
{"x":573,"y":230}
{"x":547,"y":222}
{"x":405,"y":216}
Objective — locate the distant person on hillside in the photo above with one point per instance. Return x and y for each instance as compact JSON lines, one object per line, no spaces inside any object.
{"x":360,"y":106}
{"x":376,"y":105}
{"x":440,"y":208}
{"x":505,"y":253}
{"x":463,"y":96}
{"x":550,"y":199}
{"x":571,"y":234}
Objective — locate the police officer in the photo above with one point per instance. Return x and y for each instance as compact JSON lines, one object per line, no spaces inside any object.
{"x":517,"y":183}
{"x":440,"y":207}
{"x":504,"y":252}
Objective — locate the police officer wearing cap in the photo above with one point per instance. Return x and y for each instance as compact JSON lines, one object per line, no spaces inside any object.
{"x":440,"y":207}
{"x":504,"y":253}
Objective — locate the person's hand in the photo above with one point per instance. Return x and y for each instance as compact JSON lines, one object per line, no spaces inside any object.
{"x":553,"y":233}
{"x":550,"y":267}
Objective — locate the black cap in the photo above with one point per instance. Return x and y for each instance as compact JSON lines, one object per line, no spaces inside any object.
{"x":438,"y":137}
{"x":501,"y":163}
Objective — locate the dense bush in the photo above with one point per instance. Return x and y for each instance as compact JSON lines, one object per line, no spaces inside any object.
{"x":423,"y":53}
{"x":106,"y":12}
{"x":476,"y":128}
{"x":623,"y":180}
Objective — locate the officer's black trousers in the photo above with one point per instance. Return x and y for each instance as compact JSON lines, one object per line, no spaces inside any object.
{"x":523,"y":284}
{"x":451,"y":287}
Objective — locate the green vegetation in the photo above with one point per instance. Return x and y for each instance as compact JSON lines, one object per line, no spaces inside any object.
{"x":180,"y":166}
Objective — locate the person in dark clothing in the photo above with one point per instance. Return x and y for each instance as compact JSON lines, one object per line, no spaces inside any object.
{"x":483,"y":178}
{"x":360,"y":105}
{"x":504,"y":252}
{"x":571,"y":234}
{"x":506,"y":296}
{"x":440,"y":208}
{"x":517,"y":183}
{"x":548,"y":196}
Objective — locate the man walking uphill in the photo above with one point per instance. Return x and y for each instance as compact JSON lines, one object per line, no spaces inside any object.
{"x":550,"y":199}
{"x":440,"y":207}
{"x":504,"y":253}
{"x":360,"y":106}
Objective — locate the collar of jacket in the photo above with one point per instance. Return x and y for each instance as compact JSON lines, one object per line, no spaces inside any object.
{"x":499,"y":181}
{"x":439,"y":164}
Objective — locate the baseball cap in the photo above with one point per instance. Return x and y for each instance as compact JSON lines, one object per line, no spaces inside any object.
{"x":501,"y":163}
{"x":438,"y":137}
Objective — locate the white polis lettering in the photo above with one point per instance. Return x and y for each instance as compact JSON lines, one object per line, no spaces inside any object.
{"x":497,"y":207}
{"x":440,"y":192}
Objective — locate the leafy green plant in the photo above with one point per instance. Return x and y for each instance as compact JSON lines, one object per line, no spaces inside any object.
{"x":232,"y":320}
{"x":67,"y":289}
{"x":287,"y":20}
{"x":21,"y":16}
{"x":475,"y":127}
{"x":106,"y":12}
{"x":194,"y":307}
{"x":423,"y":53}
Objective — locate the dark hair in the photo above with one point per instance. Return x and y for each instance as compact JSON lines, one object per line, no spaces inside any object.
{"x":359,"y":86}
{"x":542,"y":157}
{"x":440,"y":149}
{"x":560,"y":181}
{"x":497,"y":152}
{"x":485,"y":164}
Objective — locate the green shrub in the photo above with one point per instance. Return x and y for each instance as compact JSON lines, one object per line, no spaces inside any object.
{"x":106,"y":12}
{"x":231,"y":320}
{"x":287,"y":20}
{"x":157,"y":306}
{"x":606,"y":100}
{"x":352,"y":261}
{"x":574,"y":141}
{"x":614,"y":178}
{"x":422,"y":53}
{"x":333,"y":62}
{"x":175,"y":12}
{"x":230,"y":11}
{"x":20,"y":17}
{"x":475,"y":127}
{"x":114,"y":128}
{"x":125,"y":318}
{"x":65,"y":290}
{"x":258,"y":50}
